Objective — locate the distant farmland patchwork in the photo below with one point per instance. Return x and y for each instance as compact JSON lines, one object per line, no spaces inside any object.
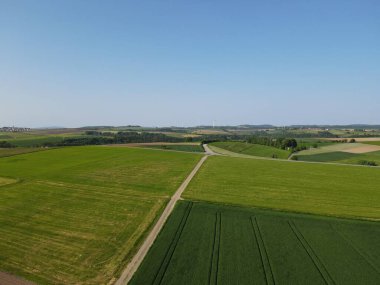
{"x":343,"y":153}
{"x":75,"y":215}
{"x":212,"y":244}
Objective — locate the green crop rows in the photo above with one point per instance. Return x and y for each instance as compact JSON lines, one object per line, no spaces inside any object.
{"x":213,"y":244}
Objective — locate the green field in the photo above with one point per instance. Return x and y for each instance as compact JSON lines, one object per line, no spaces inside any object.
{"x":177,"y":147}
{"x":327,"y":156}
{"x":76,"y":215}
{"x":212,"y":244}
{"x":18,"y":150}
{"x":372,"y":143}
{"x":342,"y":157}
{"x":253,"y":149}
{"x":349,"y":191}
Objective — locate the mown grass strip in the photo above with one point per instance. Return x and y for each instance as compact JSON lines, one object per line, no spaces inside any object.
{"x":169,"y":254}
{"x":213,"y":278}
{"x":367,"y":258}
{"x":269,"y":277}
{"x":313,"y":256}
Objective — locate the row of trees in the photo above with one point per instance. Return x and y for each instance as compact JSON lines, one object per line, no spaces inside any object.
{"x":283,"y":143}
{"x":5,"y":144}
{"x":99,"y":138}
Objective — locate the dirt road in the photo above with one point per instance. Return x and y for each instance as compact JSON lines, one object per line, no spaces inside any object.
{"x":139,"y":256}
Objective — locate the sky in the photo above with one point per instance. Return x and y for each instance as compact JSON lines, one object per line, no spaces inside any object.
{"x":187,"y":63}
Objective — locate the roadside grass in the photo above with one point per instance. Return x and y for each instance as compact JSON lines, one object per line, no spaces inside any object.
{"x":214,"y":244}
{"x":253,"y":149}
{"x":77,"y":214}
{"x":334,"y":190}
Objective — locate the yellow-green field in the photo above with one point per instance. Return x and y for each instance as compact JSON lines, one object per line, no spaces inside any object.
{"x":336,"y":190}
{"x":76,"y":215}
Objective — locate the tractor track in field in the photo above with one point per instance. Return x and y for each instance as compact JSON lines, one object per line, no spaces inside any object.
{"x":311,"y":253}
{"x":137,"y":259}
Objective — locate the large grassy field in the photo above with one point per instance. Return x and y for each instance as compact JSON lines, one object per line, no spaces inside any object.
{"x":76,"y":215}
{"x":349,"y":191}
{"x":253,"y":149}
{"x":212,"y":244}
{"x":18,"y":150}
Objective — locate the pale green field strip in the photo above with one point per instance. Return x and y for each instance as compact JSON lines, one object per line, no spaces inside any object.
{"x":317,"y":188}
{"x":331,"y":148}
{"x":78,"y":214}
{"x":6,"y":181}
{"x":252,"y":149}
{"x":227,"y":152}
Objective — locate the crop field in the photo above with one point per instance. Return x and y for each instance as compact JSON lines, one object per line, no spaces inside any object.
{"x":333,"y":156}
{"x":253,"y":149}
{"x":178,"y":147}
{"x":325,"y":189}
{"x":342,"y":157}
{"x":372,"y":142}
{"x":17,"y":150}
{"x":332,"y":148}
{"x":213,"y":244}
{"x":75,"y":215}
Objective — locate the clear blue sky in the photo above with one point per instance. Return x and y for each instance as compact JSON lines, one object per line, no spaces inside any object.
{"x":161,"y":63}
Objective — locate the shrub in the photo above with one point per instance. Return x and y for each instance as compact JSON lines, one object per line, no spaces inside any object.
{"x":368,"y":163}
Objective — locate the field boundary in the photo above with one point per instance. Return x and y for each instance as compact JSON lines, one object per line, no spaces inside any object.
{"x":137,"y":259}
{"x":310,"y":252}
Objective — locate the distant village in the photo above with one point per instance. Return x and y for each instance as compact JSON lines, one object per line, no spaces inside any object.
{"x":14,"y":129}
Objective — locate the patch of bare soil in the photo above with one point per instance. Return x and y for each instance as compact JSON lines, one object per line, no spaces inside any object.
{"x":362,"y":149}
{"x":8,"y":279}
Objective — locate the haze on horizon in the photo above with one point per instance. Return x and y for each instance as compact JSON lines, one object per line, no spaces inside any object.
{"x":187,"y":63}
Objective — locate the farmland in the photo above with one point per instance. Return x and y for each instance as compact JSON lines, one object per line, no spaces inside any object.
{"x":213,"y":244}
{"x":76,"y":215}
{"x":335,"y":190}
{"x":372,"y":142}
{"x":253,"y":149}
{"x":4,"y":152}
{"x":342,"y":157}
{"x":176,"y":147}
